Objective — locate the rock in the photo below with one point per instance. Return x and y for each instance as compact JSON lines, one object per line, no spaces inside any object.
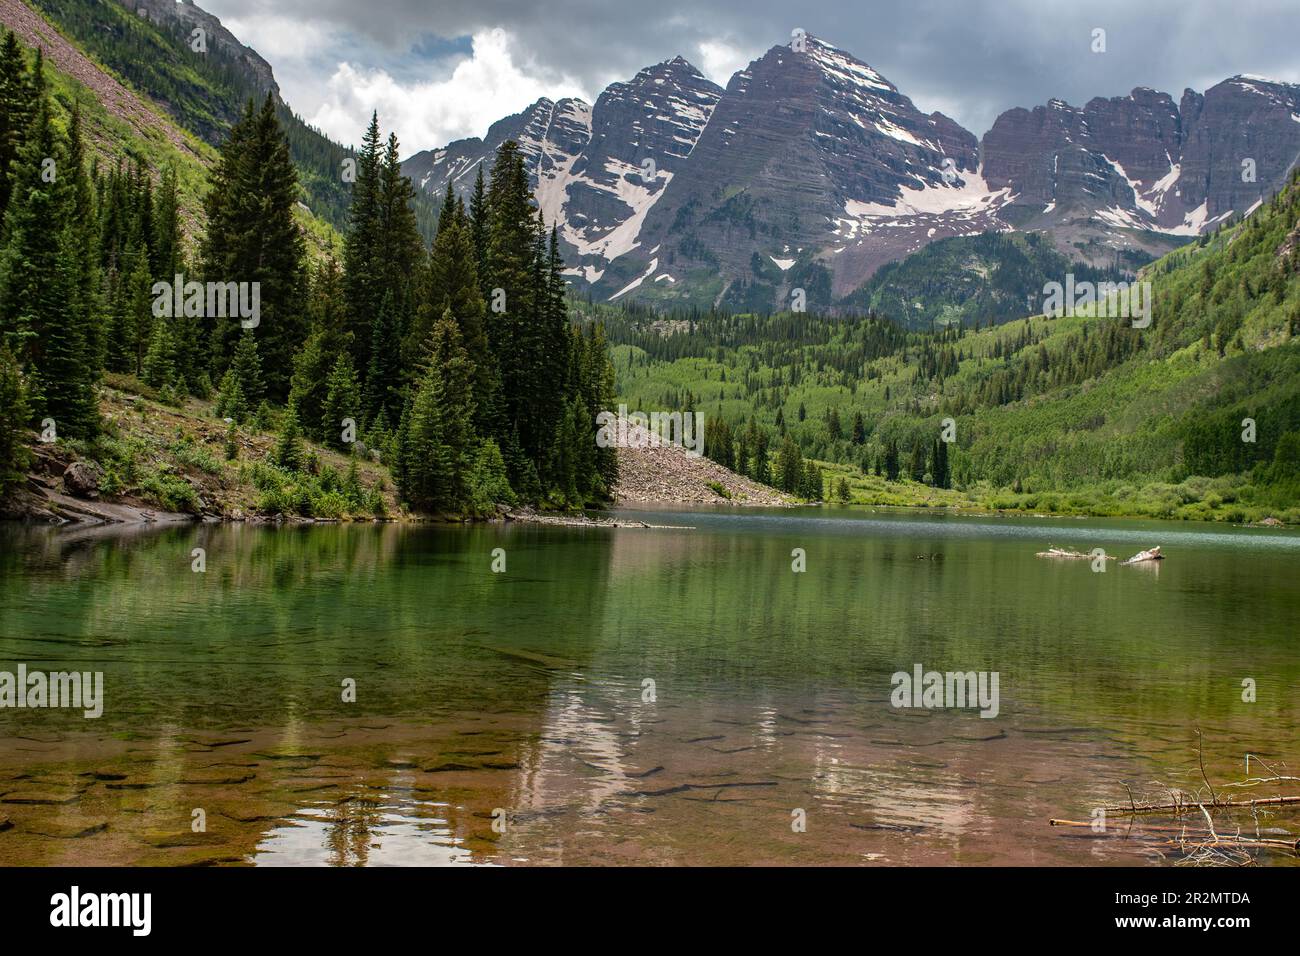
{"x":82,"y":478}
{"x":1270,"y":522}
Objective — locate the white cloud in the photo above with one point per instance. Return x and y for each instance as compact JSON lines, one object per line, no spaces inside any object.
{"x":718,"y":61}
{"x":279,"y":38}
{"x":483,"y":87}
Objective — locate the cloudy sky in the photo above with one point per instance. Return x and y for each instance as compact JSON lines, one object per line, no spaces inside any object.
{"x":437,"y":71}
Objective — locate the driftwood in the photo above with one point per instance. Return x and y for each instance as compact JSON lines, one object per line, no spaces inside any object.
{"x":1151,"y":554}
{"x":1215,"y":841}
{"x":1062,"y":553}
{"x":1188,"y":805}
{"x":1204,"y":844}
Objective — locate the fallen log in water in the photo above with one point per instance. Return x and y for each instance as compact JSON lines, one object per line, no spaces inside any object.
{"x":1187,"y":807}
{"x":1150,"y":554}
{"x":1062,"y":553}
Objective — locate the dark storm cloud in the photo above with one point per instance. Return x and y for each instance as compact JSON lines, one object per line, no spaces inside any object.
{"x":970,"y":59}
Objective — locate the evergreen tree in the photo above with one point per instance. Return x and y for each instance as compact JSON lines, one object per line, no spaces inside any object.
{"x":328,"y":342}
{"x":14,"y":416}
{"x":892,"y":466}
{"x":488,"y":482}
{"x":789,"y":467}
{"x":916,"y":470}
{"x":435,"y":441}
{"x":39,"y":275}
{"x":451,"y":283}
{"x":941,"y":477}
{"x":159,"y":366}
{"x":83,"y":241}
{"x":17,"y":99}
{"x":362,"y":273}
{"x":288,"y":449}
{"x":167,"y":228}
{"x":246,"y":368}
{"x":252,"y":237}
{"x":342,"y":400}
{"x":479,"y":229}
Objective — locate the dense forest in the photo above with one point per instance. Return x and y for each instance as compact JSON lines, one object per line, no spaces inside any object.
{"x":454,"y":363}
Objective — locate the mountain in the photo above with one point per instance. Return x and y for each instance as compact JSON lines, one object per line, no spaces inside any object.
{"x":812,"y":170}
{"x":547,"y":133}
{"x":586,"y":162}
{"x":1144,"y":163}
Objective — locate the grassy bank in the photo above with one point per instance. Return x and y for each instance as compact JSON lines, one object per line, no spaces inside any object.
{"x":1230,"y":498}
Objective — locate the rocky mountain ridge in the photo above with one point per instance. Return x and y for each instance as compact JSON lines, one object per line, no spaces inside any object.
{"x":811,"y":170}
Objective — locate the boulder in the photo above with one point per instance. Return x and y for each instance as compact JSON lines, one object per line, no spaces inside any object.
{"x":82,"y":478}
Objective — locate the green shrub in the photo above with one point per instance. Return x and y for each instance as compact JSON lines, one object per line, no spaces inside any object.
{"x":170,"y":491}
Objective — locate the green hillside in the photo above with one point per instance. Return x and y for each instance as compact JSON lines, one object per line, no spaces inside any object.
{"x":206,"y":94}
{"x":971,"y":280}
{"x":1078,"y":414}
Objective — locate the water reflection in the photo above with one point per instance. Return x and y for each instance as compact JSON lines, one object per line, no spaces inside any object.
{"x":527,"y":692}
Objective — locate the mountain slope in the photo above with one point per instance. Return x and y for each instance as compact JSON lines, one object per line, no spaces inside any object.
{"x":118,"y":121}
{"x":147,"y":44}
{"x":970,"y":280}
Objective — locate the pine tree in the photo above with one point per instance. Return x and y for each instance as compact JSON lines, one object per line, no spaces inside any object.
{"x":167,"y":228}
{"x":479,"y":230}
{"x":789,"y":467}
{"x":342,"y":401}
{"x":231,"y":402}
{"x":362,"y":274}
{"x":159,"y":366}
{"x":83,"y":240}
{"x":17,"y":99}
{"x":313,"y":364}
{"x":600,"y":397}
{"x":859,"y":435}
{"x":438,"y":439}
{"x":513,"y":267}
{"x":252,"y":237}
{"x":489,"y":484}
{"x":941,"y":477}
{"x":246,"y":368}
{"x":14,"y":416}
{"x":892,"y":466}
{"x":39,"y":275}
{"x":381,"y":392}
{"x":452,"y":283}
{"x":916,"y":471}
{"x":288,"y":449}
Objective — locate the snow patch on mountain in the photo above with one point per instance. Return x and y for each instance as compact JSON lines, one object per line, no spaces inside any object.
{"x":636,"y":283}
